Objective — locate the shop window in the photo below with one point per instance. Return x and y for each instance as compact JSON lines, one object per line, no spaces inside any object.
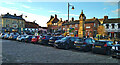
{"x":107,"y":26}
{"x":113,"y":26}
{"x":119,"y":25}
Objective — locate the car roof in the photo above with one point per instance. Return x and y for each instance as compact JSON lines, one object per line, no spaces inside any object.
{"x":104,"y":40}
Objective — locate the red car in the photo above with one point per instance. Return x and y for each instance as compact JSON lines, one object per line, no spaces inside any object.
{"x":35,"y":39}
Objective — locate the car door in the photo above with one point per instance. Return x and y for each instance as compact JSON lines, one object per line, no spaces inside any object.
{"x":71,"y":41}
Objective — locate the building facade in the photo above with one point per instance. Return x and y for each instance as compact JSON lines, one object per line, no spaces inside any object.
{"x":52,"y":24}
{"x":112,"y":27}
{"x":31,"y":27}
{"x":12,"y":23}
{"x":0,"y":24}
{"x":82,"y":27}
{"x":42,"y":30}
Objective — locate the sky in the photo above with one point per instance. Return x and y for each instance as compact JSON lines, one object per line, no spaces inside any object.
{"x":41,"y":11}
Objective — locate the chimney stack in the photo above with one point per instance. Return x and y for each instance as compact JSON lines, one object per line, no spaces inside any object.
{"x":51,"y":17}
{"x":72,"y":19}
{"x":14,"y":14}
{"x":21,"y":15}
{"x":55,"y":16}
{"x":93,"y":17}
{"x":60,"y":19}
{"x":105,"y":17}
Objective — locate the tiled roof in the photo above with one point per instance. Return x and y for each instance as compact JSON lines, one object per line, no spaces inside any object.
{"x":12,"y":16}
{"x":71,"y":22}
{"x":31,"y":25}
{"x":77,"y":21}
{"x":114,"y":20}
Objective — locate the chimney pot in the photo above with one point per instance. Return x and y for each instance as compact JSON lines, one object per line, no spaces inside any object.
{"x":72,"y":19}
{"x":105,"y":17}
{"x":60,"y":19}
{"x":14,"y":14}
{"x":55,"y":16}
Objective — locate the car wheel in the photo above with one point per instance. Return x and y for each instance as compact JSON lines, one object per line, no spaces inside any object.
{"x":22,"y":40}
{"x":113,"y":56}
{"x":86,"y":49}
{"x":66,"y":47}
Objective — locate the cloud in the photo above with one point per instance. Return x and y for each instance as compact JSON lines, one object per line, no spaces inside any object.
{"x":116,"y":11}
{"x":9,"y":3}
{"x":54,"y":11}
{"x":29,"y":0}
{"x":41,"y":20}
{"x":69,"y":15}
{"x":25,"y":6}
{"x":111,"y":3}
{"x":33,"y":9}
{"x":105,"y":8}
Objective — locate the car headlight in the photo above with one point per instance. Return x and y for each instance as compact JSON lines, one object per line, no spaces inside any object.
{"x":113,"y":47}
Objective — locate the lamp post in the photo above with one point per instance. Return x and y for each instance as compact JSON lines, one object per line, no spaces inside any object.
{"x":68,"y":10}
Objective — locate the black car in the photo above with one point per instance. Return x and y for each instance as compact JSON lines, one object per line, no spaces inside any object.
{"x":102,"y":46}
{"x":84,"y":45}
{"x":78,"y":42}
{"x":115,"y":51}
{"x":44,"y":39}
{"x":65,"y":43}
{"x":28,"y":38}
{"x":53,"y":39}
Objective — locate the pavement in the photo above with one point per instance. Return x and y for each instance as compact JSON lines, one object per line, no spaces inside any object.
{"x":21,"y":52}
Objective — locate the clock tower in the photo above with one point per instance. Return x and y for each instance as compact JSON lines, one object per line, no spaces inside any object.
{"x":81,"y":31}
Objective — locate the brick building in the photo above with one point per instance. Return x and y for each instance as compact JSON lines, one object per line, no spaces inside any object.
{"x":31,"y":27}
{"x":52,"y":24}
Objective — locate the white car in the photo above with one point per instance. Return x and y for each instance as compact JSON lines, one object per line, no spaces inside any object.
{"x":21,"y":38}
{"x":6,"y":36}
{"x":2,"y":35}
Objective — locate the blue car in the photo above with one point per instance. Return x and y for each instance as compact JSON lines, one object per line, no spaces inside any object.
{"x":84,"y":45}
{"x":28,"y":38}
{"x":44,"y":39}
{"x":14,"y":37}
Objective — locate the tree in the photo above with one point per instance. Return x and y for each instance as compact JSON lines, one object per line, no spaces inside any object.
{"x":101,"y":30}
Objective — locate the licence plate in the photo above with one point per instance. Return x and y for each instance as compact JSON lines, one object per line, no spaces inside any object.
{"x":78,"y":46}
{"x":56,"y":45}
{"x":98,"y":46}
{"x":50,"y":40}
{"x":49,"y":43}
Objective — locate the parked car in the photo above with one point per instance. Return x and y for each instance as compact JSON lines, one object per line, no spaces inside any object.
{"x":85,"y":45}
{"x":53,"y":39}
{"x":21,"y":38}
{"x":44,"y":39}
{"x":115,"y":51}
{"x":10,"y":37}
{"x":6,"y":36}
{"x":14,"y":37}
{"x":78,"y":42}
{"x":65,"y":43}
{"x":35,"y":39}
{"x":28,"y":38}
{"x":102,"y":46}
{"x":2,"y":35}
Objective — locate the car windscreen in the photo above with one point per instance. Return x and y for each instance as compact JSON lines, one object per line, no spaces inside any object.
{"x":52,"y":38}
{"x":79,"y":40}
{"x":89,"y":40}
{"x":65,"y":38}
{"x":60,"y":38}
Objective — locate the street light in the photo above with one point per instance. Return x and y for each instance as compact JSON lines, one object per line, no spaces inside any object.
{"x":68,"y":10}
